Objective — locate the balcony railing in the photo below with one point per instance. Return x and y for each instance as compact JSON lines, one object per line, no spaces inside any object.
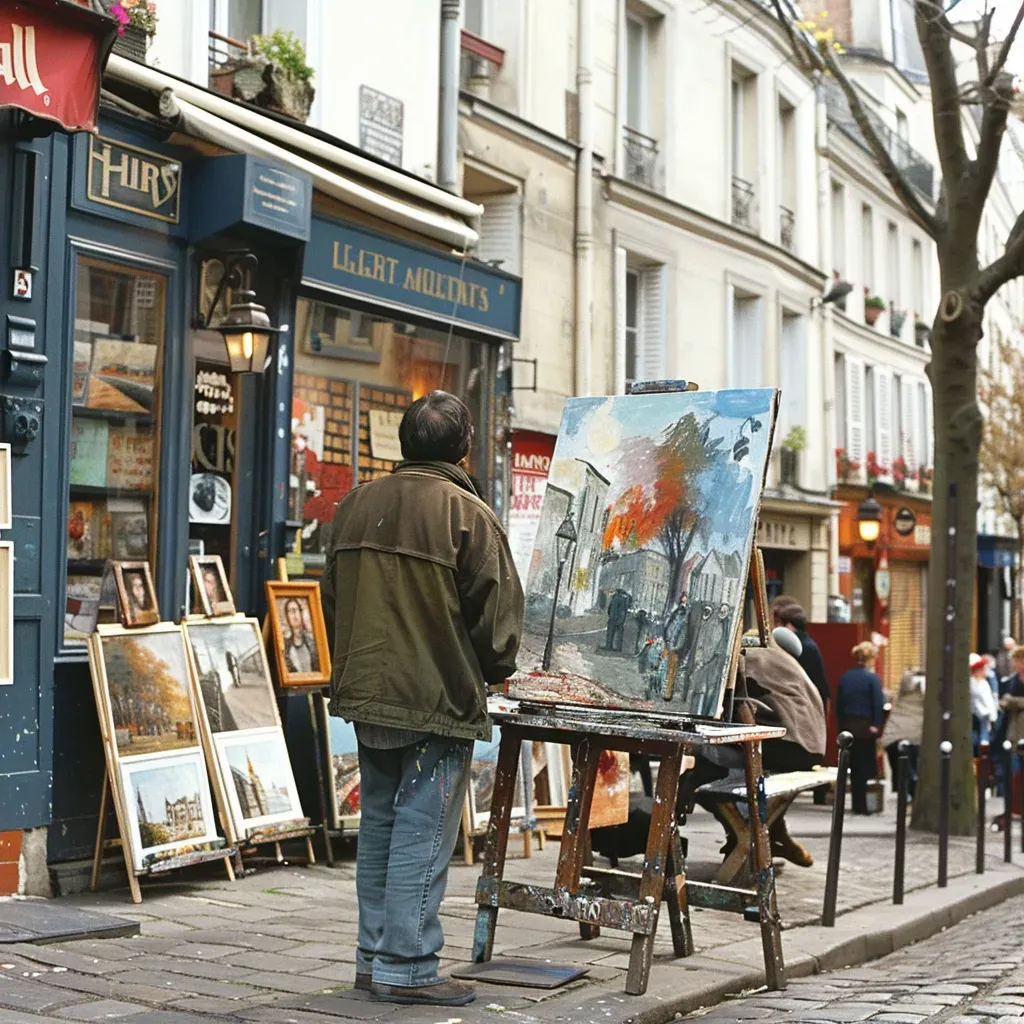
{"x":787,"y":229}
{"x":911,"y":164}
{"x":641,"y":154}
{"x":224,"y":49}
{"x":744,"y":204}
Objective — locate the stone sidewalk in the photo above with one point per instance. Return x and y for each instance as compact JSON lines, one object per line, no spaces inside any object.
{"x":277,"y":946}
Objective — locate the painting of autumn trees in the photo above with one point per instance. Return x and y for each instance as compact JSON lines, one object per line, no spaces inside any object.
{"x":147,"y":680}
{"x":639,"y":571}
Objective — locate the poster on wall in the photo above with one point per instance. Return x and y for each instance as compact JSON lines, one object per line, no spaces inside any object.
{"x":531,"y":460}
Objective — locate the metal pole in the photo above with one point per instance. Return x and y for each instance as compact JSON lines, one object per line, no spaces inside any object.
{"x":1007,"y":801}
{"x":448,"y":120}
{"x":546,"y":660}
{"x":983,"y":777}
{"x":949,"y":627}
{"x":835,"y":845}
{"x":945,"y":759}
{"x":902,"y":784}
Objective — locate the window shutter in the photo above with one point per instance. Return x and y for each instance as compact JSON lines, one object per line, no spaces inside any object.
{"x":883,"y":417}
{"x":620,"y":320}
{"x":651,"y":355}
{"x":929,"y":439}
{"x":854,"y":409}
{"x":500,"y":232}
{"x":909,"y":408}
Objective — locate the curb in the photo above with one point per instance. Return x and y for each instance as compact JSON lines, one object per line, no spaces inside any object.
{"x":859,"y":936}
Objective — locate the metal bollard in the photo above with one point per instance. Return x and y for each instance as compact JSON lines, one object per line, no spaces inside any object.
{"x":982,"y":779}
{"x":1020,"y":777}
{"x":945,"y":761}
{"x":902,"y":784}
{"x":835,"y":844}
{"x":1007,"y":801}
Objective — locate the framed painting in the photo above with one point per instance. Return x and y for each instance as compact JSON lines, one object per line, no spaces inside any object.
{"x":343,"y":773}
{"x":299,"y":634}
{"x":258,"y":780}
{"x":634,"y":598}
{"x":211,"y":585}
{"x":136,"y":595}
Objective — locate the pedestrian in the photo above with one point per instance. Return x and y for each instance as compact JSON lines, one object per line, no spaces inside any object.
{"x":906,"y":722}
{"x":859,"y":712}
{"x":641,"y":630}
{"x":424,"y":611}
{"x":1004,"y":659}
{"x":794,"y":618}
{"x":1012,"y":700}
{"x":984,"y":711}
{"x":618,"y":610}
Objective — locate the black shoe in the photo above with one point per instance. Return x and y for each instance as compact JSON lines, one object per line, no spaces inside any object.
{"x":444,"y":993}
{"x":364,"y":982}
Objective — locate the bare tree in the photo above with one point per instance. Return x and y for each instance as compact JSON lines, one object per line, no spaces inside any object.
{"x":966,"y":287}
{"x":1002,"y":448}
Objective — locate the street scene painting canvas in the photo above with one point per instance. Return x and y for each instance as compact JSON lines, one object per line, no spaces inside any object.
{"x":639,"y":571}
{"x":260,"y":786}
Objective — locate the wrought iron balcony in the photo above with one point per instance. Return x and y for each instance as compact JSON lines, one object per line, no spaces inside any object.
{"x":744,"y":204}
{"x":641,"y":154}
{"x":787,"y":229}
{"x":911,"y":164}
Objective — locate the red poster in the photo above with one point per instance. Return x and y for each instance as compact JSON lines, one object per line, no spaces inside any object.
{"x":52,"y":54}
{"x":531,"y":460}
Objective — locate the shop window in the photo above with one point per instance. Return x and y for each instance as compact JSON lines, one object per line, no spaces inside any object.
{"x":355,"y":375}
{"x":115,"y":398}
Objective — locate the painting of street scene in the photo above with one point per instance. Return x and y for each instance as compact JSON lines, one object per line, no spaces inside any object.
{"x":639,"y":571}
{"x":147,"y":680}
{"x":261,"y":778}
{"x":232,"y":672}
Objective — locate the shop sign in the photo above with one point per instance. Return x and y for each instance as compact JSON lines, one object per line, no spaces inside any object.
{"x":133,"y":179}
{"x":531,"y":460}
{"x":278,"y":199}
{"x":363,"y":264}
{"x":51,"y":59}
{"x":384,"y":442}
{"x":904,"y":521}
{"x":793,"y":535}
{"x":844,"y":565}
{"x":380,"y":125}
{"x":923,"y":536}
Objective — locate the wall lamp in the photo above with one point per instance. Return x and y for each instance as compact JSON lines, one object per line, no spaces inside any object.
{"x":869,"y":520}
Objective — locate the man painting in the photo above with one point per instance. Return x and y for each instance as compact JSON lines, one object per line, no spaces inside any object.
{"x":424,"y":611}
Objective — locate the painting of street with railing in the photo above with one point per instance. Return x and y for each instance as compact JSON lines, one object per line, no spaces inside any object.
{"x":639,"y":570}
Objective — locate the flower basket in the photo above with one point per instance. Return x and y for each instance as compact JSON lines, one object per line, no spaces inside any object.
{"x":266,"y":84}
{"x":897,"y":319}
{"x":922,"y":333}
{"x":133,"y":44}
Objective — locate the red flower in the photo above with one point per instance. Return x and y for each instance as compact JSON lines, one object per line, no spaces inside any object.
{"x":122,"y":16}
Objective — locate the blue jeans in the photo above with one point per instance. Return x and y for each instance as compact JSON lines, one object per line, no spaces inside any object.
{"x":410,"y":809}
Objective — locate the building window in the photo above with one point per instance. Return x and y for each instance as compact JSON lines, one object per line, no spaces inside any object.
{"x":239,"y":19}
{"x":917,"y":278}
{"x":645,"y":323}
{"x":792,"y":373}
{"x":854,"y":408}
{"x":744,"y":143}
{"x":501,"y":232}
{"x":118,"y":342}
{"x":787,"y":175}
{"x":867,"y":247}
{"x":473,"y":17}
{"x":892,"y":259}
{"x":636,"y":72}
{"x":640,"y":148}
{"x":839,"y":229}
{"x":902,"y":126}
{"x":632,"y":324}
{"x":747,"y":363}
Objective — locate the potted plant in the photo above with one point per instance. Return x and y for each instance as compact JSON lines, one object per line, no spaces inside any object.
{"x":789,"y":455}
{"x":845,"y":466}
{"x":837,"y":279}
{"x":899,"y":472}
{"x":136,"y":24}
{"x":875,"y":469}
{"x":922,"y":332}
{"x":874,"y":305}
{"x":924,"y":479}
{"x":272,"y":74}
{"x":897,"y":318}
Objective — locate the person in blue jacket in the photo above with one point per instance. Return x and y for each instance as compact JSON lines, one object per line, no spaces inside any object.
{"x":859,"y":702}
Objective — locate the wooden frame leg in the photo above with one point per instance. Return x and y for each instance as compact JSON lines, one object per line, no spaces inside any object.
{"x":97,"y":857}
{"x":572,"y":852}
{"x":676,"y":900}
{"x":733,"y":865}
{"x":229,"y":869}
{"x":652,"y":881}
{"x":496,"y":846}
{"x":310,"y":854}
{"x":588,"y":931}
{"x":467,"y":837}
{"x":768,"y":911}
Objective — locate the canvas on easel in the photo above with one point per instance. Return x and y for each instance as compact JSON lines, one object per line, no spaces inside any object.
{"x":635,"y":593}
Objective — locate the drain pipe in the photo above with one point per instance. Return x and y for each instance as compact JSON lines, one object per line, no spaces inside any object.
{"x":584,"y":197}
{"x":448,"y":126}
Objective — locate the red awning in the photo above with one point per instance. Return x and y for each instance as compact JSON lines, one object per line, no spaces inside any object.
{"x":52,"y":55}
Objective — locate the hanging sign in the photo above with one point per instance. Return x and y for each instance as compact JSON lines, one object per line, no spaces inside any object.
{"x":904,"y":521}
{"x":384,"y":443}
{"x":52,"y":55}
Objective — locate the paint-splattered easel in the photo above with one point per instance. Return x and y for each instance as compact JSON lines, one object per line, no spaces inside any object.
{"x":631,"y":901}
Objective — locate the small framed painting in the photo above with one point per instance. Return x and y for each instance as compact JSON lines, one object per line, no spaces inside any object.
{"x":211,"y":583}
{"x":299,"y":634}
{"x":136,"y":595}
{"x":259,"y":784}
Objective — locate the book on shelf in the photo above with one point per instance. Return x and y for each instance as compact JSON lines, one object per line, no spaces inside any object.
{"x":89,"y":452}
{"x":129,"y":460}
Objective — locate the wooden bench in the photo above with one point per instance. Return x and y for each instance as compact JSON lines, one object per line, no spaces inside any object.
{"x":729,"y":795}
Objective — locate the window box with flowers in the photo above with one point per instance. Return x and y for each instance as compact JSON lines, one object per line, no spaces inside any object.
{"x":875,"y":469}
{"x":899,"y":473}
{"x":846,"y":468}
{"x":874,"y":306}
{"x":136,"y":25}
{"x":924,"y":479}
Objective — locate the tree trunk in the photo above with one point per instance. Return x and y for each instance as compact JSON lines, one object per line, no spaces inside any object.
{"x":957,"y":418}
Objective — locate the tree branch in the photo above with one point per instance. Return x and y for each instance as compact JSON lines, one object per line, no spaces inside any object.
{"x":1007,"y":267}
{"x":1004,"y":50}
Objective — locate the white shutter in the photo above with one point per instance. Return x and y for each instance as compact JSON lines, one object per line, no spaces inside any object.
{"x":651,"y":347}
{"x":929,"y":440}
{"x":907,"y":427}
{"x":883,"y":417}
{"x":854,"y":369}
{"x":619,"y":285}
{"x":501,"y":232}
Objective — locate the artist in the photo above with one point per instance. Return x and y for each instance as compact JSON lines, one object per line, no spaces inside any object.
{"x":424,"y":611}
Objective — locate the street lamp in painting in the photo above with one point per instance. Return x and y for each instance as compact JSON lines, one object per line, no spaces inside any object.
{"x":565,"y":540}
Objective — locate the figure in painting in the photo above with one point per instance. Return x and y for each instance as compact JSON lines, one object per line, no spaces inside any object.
{"x":641,"y":630}
{"x":618,"y":610}
{"x":138,"y":596}
{"x":300,"y":652}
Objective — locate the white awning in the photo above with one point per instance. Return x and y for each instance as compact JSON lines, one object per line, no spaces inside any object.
{"x":408,"y":202}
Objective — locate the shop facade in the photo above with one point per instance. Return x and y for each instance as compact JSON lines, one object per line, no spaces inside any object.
{"x":997,"y":590}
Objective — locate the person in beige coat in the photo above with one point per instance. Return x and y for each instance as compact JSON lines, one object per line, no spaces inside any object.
{"x":906,"y":722}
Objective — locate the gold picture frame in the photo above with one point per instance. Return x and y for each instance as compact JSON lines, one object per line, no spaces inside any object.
{"x":299,"y":634}
{"x":136,"y":595}
{"x":207,"y":570}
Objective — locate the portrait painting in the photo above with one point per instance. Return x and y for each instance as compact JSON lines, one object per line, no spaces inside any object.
{"x":144,"y":677}
{"x":233,"y":679}
{"x":211,"y":585}
{"x":169,"y":806}
{"x":135,"y":593}
{"x":299,"y":634}
{"x":258,"y":779}
{"x":635,"y":593}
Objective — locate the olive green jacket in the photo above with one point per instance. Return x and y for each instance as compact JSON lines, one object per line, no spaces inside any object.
{"x":423,"y":605}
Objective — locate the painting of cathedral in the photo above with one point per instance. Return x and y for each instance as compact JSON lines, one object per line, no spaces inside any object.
{"x":260,"y":785}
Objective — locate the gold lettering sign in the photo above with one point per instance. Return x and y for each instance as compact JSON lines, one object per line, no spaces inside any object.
{"x":129,"y":178}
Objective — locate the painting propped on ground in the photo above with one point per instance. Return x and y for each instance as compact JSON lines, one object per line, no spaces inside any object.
{"x":640,"y":567}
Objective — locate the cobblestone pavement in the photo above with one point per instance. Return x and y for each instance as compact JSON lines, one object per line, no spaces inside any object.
{"x":972,"y":973}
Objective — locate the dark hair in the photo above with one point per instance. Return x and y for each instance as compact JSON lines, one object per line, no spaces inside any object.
{"x":436,"y":428}
{"x":793,"y":615}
